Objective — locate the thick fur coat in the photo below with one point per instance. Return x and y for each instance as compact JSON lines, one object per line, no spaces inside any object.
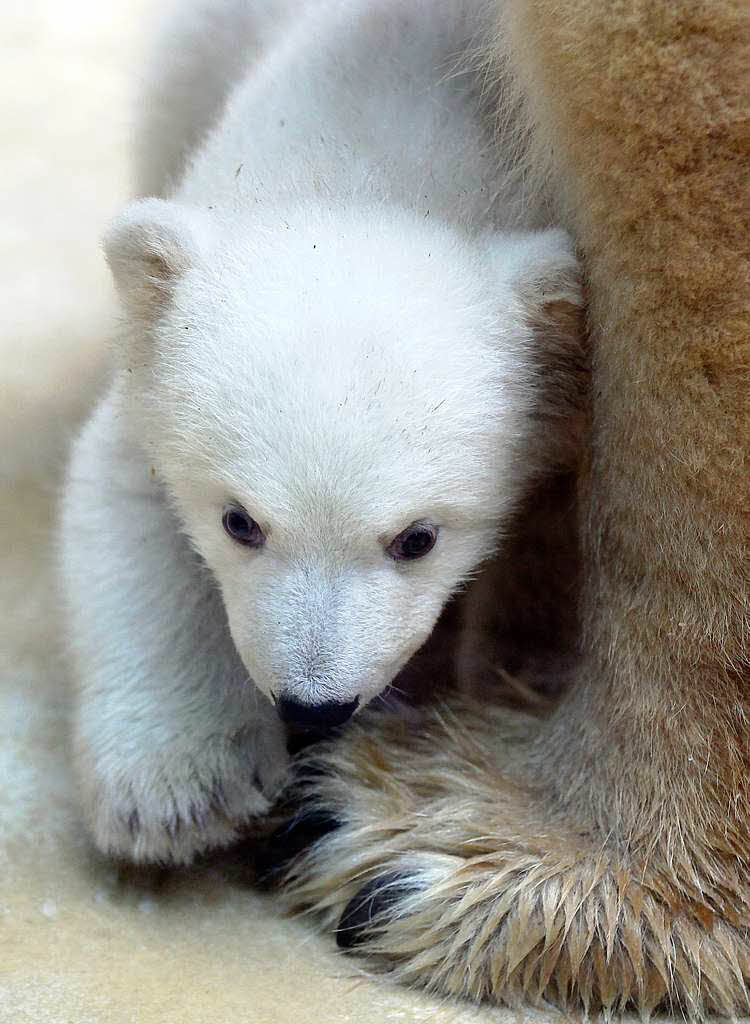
{"x":596,"y":856}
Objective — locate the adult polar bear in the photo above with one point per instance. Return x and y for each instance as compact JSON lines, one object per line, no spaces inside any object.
{"x":330,"y":366}
{"x":600,"y":859}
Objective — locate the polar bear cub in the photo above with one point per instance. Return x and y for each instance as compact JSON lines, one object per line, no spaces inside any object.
{"x":327,"y":399}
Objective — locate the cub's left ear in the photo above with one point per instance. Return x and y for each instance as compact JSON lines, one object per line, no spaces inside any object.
{"x":149,"y":247}
{"x":544,"y":275}
{"x":542,"y":269}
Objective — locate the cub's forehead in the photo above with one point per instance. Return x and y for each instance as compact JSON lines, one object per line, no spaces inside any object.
{"x":319,"y":413}
{"x":366,"y":431}
{"x":382,"y":356}
{"x":364,"y":365}
{"x":369,"y":270}
{"x":339,"y":312}
{"x":357,"y":329}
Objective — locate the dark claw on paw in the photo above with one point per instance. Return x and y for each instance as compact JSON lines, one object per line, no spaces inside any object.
{"x":373,"y":901}
{"x":282,"y":846}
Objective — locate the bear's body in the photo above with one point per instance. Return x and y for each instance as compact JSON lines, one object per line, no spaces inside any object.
{"x":336,"y":318}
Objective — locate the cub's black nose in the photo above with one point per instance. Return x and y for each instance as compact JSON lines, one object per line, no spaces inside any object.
{"x":315,"y":716}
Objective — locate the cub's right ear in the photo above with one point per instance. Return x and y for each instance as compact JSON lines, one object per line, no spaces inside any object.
{"x":150,"y":245}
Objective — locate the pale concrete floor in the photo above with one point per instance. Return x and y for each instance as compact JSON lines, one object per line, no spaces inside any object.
{"x":77,"y":944}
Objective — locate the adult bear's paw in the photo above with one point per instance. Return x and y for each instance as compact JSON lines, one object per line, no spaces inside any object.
{"x":425,"y":849}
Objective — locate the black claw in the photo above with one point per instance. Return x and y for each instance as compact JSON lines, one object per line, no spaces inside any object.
{"x":374,"y":900}
{"x":274,"y":855}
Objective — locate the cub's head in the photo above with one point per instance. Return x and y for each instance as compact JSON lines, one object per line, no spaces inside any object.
{"x":343,"y":410}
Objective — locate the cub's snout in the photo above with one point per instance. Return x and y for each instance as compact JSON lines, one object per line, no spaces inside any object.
{"x":326,"y":715}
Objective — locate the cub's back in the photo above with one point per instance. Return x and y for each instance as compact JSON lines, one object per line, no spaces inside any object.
{"x":198,"y":52}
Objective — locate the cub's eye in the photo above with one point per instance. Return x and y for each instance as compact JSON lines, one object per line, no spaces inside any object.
{"x":241,"y":527}
{"x":414,"y":542}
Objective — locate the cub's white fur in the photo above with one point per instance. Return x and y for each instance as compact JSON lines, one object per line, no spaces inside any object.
{"x":328,"y":322}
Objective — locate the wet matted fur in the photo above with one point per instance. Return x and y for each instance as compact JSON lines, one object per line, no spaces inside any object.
{"x":598,"y":857}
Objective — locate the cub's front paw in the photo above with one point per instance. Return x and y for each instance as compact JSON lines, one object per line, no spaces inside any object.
{"x":169,"y":806}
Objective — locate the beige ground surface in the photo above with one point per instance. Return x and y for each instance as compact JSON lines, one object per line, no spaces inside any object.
{"x":77,"y":944}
